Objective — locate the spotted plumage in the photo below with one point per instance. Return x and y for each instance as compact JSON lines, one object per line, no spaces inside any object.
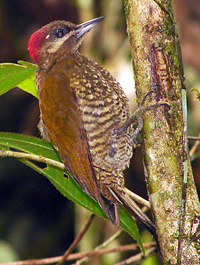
{"x":81,"y":107}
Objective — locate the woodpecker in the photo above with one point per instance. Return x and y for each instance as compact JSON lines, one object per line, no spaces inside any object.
{"x":81,"y":108}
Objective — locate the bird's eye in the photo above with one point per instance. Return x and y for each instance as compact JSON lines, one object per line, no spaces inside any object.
{"x":61,"y":32}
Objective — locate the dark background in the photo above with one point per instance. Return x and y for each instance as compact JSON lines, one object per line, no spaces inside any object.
{"x":36,"y":221}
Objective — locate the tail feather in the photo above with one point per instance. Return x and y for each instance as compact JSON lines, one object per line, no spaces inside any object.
{"x":134,"y":210}
{"x":112,"y":212}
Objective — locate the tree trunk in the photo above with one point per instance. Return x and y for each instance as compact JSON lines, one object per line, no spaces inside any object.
{"x":157,"y":65}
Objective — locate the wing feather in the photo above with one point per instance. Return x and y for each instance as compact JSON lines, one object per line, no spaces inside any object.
{"x":61,"y":119}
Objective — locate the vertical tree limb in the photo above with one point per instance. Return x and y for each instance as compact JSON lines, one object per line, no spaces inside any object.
{"x":157,"y":64}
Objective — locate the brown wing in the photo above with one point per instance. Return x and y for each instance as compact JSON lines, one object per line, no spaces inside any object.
{"x":62,"y":120}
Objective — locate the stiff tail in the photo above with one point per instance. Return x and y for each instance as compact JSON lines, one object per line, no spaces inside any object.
{"x":134,"y":210}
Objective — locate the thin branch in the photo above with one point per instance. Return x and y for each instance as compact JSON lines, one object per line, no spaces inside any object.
{"x":75,"y":256}
{"x":77,"y":240}
{"x":4,"y":153}
{"x":137,"y":198}
{"x":194,"y":147}
{"x":138,"y":258}
{"x":103,"y":245}
{"x":194,"y":138}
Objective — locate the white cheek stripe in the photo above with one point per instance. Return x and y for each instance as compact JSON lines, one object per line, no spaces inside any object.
{"x":58,"y":43}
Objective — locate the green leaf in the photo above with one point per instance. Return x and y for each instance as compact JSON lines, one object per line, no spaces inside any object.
{"x":22,"y":75}
{"x":67,"y":186}
{"x":29,"y":144}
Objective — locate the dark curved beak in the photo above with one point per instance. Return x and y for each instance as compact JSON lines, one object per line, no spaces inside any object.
{"x":86,"y":26}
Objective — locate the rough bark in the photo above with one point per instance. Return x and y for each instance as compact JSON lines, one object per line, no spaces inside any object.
{"x":157,"y":65}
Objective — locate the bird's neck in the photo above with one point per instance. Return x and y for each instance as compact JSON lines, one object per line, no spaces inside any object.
{"x":68,"y":64}
{"x":50,"y":60}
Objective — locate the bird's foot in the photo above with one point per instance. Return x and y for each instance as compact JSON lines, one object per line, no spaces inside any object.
{"x":138,"y":116}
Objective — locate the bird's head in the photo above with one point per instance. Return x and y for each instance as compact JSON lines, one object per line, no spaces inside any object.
{"x":55,"y":40}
